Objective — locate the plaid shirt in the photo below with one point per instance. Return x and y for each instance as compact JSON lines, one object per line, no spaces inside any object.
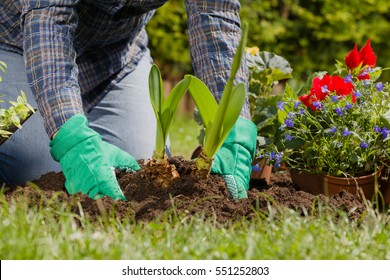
{"x":76,"y":50}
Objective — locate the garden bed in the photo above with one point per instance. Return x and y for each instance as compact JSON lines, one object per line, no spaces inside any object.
{"x":188,"y":195}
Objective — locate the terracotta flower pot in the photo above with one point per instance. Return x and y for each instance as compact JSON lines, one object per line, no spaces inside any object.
{"x":264,"y":172}
{"x":328,"y":185}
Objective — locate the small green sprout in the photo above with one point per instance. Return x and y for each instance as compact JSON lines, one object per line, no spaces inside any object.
{"x":218,"y":120}
{"x":164,"y":109}
{"x":12,"y":118}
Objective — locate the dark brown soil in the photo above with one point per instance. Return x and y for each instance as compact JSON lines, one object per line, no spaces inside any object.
{"x":189,"y":195}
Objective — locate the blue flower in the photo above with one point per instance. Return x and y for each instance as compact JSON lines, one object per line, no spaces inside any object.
{"x":358,"y":94}
{"x":364,"y":145}
{"x":296,"y":105}
{"x":385,"y":132}
{"x":289,"y":123}
{"x":379,"y":86}
{"x":301,"y":111}
{"x":272,"y":155}
{"x":339,"y":111}
{"x":348,"y":78}
{"x":288,"y":137}
{"x":333,"y":129}
{"x":377,"y":129}
{"x":346,"y":132}
{"x":348,"y":106}
{"x":281,"y":128}
{"x":317,"y":104}
{"x":324,"y":89}
{"x":278,"y":159}
{"x":291,"y":114}
{"x":256,"y":168}
{"x":363,"y":73}
{"x":335,"y":98}
{"x":280,"y":105}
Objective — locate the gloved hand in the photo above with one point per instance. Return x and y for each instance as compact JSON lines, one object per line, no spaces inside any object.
{"x":233,"y":161}
{"x":88,"y":162}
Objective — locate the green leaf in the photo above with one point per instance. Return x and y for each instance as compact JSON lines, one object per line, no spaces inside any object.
{"x":240,"y":51}
{"x":160,"y":141}
{"x":166,"y":118}
{"x":235,"y":106}
{"x":265,"y":108}
{"x":385,"y":119}
{"x":294,"y":143}
{"x":177,"y":93}
{"x":156,"y":92}
{"x":3,"y":66}
{"x":204,"y":100}
{"x":15,"y":120}
{"x":288,"y":94}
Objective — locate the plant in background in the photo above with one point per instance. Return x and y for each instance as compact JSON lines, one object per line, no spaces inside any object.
{"x":267,"y":74}
{"x":164,"y":109}
{"x":218,"y":120}
{"x":339,"y":127}
{"x":12,"y":118}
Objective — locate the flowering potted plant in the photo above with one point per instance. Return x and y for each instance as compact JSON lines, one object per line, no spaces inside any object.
{"x":337,"y":128}
{"x":268,"y":73}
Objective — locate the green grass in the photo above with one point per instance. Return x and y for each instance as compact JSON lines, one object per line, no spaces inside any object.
{"x":184,"y":135}
{"x":54,"y":232}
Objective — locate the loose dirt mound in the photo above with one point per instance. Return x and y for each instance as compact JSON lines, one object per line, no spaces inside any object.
{"x":188,"y":195}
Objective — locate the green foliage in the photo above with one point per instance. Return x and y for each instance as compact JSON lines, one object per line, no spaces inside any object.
{"x":309,"y":34}
{"x":168,"y":40}
{"x":12,"y":117}
{"x":164,"y":108}
{"x":266,"y":71}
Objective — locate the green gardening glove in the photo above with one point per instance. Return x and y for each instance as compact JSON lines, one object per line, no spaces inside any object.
{"x":233,"y":161}
{"x":88,"y":162}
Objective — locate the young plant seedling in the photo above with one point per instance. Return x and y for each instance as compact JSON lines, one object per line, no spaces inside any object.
{"x":164,"y":110}
{"x":12,"y":118}
{"x":218,"y":120}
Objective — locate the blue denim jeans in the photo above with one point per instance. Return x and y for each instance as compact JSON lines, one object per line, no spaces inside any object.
{"x":124,"y":117}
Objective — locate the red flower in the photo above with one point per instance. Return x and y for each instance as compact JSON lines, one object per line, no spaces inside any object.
{"x":307,"y":100}
{"x":363,"y":76}
{"x":321,"y":87}
{"x":352,"y":60}
{"x":340,"y":87}
{"x":365,"y":57}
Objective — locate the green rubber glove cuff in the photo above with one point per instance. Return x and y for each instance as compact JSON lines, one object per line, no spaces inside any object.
{"x":74,"y":131}
{"x":234,"y":159}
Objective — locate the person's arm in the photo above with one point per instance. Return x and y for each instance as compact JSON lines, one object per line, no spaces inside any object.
{"x":49,"y":28}
{"x":87,"y":161}
{"x":214,"y":31}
